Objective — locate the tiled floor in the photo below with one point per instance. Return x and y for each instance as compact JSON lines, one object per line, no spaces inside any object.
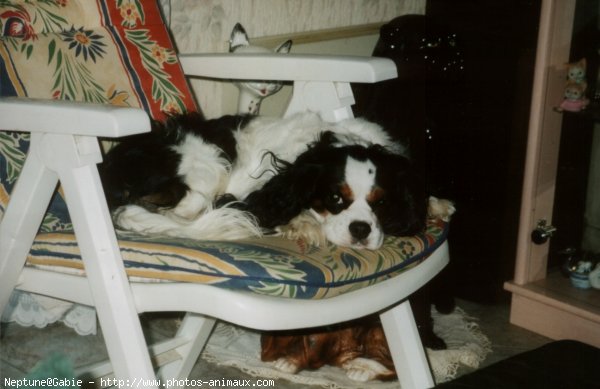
{"x":21,"y":348}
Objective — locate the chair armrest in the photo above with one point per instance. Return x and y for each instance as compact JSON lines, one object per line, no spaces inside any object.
{"x":75,"y":118}
{"x":288,"y":67}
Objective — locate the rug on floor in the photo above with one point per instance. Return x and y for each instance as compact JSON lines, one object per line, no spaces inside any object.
{"x":240,"y":348}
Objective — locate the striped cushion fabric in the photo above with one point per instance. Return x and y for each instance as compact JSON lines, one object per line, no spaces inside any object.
{"x":271,"y":266}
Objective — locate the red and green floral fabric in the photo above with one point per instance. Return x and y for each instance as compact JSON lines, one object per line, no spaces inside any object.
{"x":115,"y":52}
{"x":103,"y":51}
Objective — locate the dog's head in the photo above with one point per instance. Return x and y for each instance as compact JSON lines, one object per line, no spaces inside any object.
{"x":364,"y":193}
{"x":357,"y":193}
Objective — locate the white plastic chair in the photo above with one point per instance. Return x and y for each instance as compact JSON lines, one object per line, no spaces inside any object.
{"x":64,"y":148}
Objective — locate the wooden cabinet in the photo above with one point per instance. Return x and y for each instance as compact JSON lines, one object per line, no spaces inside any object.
{"x":544,"y":301}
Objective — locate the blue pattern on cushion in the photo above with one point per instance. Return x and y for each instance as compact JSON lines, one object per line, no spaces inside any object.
{"x":272,"y":266}
{"x":13,"y":148}
{"x":7,"y":88}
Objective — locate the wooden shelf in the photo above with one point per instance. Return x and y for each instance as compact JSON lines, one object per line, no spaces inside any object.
{"x":556,"y":309}
{"x":546,"y":302}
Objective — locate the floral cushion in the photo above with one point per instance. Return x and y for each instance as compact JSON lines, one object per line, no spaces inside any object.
{"x":270,"y":266}
{"x":103,"y":51}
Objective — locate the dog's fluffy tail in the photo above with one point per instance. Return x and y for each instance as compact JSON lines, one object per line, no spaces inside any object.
{"x":223,"y":223}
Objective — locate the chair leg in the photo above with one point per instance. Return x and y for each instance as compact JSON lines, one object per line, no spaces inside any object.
{"x":195,"y":329}
{"x":27,"y":206}
{"x":104,"y":266}
{"x":406,"y":348}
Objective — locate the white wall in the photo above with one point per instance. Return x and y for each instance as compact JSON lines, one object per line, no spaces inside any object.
{"x":205,"y":26}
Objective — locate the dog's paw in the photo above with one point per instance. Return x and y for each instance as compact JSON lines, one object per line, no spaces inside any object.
{"x":286,"y":365}
{"x":129,"y":217}
{"x":189,"y":207}
{"x":440,"y":209}
{"x":363,"y":369}
{"x":304,"y":227}
{"x":139,"y":219}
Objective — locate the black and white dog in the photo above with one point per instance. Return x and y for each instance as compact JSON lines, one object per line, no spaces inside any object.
{"x":242,"y":176}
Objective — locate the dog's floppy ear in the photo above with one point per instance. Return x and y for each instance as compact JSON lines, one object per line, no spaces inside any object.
{"x":289,"y":192}
{"x":414,"y":199}
{"x":285,"y":195}
{"x":404,"y":211}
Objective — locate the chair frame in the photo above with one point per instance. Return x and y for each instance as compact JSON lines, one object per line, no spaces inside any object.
{"x":64,"y":148}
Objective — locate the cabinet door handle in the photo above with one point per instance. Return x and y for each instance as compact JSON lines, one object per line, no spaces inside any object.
{"x":542,"y":232}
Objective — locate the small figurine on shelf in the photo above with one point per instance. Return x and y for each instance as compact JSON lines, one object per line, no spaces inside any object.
{"x":594,"y":277}
{"x":580,"y":277}
{"x":569,"y":258}
{"x":576,"y":71}
{"x":574,"y":96}
{"x":575,"y":99}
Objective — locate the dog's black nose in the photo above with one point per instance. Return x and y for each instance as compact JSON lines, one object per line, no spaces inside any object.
{"x":359,"y":230}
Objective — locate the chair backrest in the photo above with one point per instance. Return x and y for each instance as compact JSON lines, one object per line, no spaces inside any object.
{"x":104,"y":51}
{"x":69,"y":50}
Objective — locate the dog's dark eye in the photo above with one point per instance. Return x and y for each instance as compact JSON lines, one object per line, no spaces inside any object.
{"x":378,"y":203}
{"x":337,"y":199}
{"x":335,"y":202}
